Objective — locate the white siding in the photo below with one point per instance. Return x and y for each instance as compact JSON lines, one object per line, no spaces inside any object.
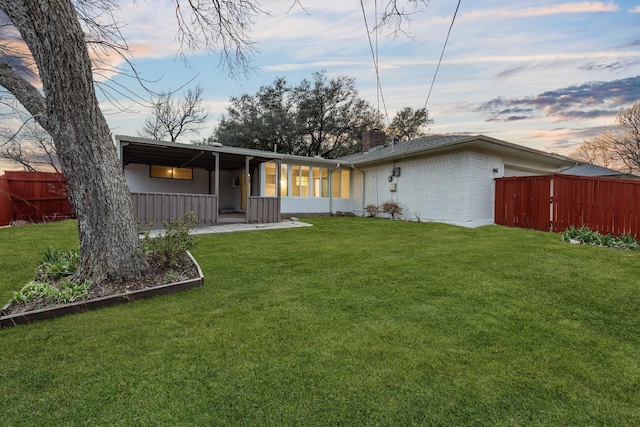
{"x":453,"y":188}
{"x":305,"y":205}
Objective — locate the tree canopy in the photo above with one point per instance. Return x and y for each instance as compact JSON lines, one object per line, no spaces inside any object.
{"x":410,"y":123}
{"x":319,"y":117}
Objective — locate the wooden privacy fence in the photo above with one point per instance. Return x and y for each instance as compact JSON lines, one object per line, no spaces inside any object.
{"x":554,"y":202}
{"x":33,"y":197}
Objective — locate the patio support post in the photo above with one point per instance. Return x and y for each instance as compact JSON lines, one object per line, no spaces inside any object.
{"x":278,"y":173}
{"x":247,"y":188}
{"x":216,"y":187}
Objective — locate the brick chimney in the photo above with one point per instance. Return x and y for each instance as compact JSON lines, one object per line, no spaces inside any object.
{"x":372,"y":138}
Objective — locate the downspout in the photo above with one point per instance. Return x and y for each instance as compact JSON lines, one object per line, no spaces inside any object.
{"x":363,"y":185}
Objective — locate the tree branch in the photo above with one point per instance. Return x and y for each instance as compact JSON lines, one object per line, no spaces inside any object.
{"x":27,"y":94}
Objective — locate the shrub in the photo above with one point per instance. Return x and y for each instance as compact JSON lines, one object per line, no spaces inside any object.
{"x":589,"y":237}
{"x":168,"y":248}
{"x":372,"y":210}
{"x":392,"y":208}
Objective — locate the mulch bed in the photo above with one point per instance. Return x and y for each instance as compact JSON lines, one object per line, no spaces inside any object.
{"x":158,"y":282}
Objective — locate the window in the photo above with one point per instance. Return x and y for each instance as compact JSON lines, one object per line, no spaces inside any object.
{"x":344,"y":184}
{"x":340,"y":184}
{"x":320,"y":182}
{"x":270,"y":179}
{"x":304,"y":181}
{"x":299,"y":181}
{"x":283,"y":181}
{"x":169,"y":172}
{"x":295,"y":181}
{"x":308,"y":181}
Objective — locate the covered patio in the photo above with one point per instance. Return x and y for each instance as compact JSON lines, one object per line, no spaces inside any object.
{"x":220,"y":184}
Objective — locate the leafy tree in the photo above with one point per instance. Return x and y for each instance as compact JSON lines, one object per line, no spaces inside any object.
{"x":320,"y":117}
{"x":265,"y":121}
{"x":410,"y":124}
{"x":171,"y":118}
{"x":330,"y":117}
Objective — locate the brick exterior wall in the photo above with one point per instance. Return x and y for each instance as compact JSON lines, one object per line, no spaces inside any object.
{"x":454,"y":188}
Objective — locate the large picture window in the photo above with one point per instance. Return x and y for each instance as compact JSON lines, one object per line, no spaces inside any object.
{"x":308,"y":181}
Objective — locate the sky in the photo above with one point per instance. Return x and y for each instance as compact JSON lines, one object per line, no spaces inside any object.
{"x":544,"y":74}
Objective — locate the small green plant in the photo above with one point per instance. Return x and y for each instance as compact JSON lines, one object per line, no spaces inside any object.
{"x":64,"y":291}
{"x":372,"y":210}
{"x":589,"y":237}
{"x":51,"y":283}
{"x":172,"y":276}
{"x":56,"y":264}
{"x":392,"y":208}
{"x":168,"y":248}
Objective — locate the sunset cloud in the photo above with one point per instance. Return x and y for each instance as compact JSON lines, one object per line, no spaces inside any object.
{"x":581,"y":7}
{"x":585,"y":101}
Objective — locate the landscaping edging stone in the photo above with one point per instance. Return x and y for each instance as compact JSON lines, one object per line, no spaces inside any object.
{"x":106,"y":301}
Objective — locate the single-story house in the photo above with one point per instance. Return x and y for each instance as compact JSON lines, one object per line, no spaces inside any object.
{"x":443,"y":178}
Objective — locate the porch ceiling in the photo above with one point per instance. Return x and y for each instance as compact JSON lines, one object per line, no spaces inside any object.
{"x":195,"y":157}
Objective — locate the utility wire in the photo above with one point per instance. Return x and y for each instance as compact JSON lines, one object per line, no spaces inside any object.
{"x":375,"y":13}
{"x":375,"y":62}
{"x":441,"y":54}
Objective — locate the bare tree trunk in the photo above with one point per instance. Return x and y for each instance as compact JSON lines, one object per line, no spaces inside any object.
{"x":109,"y":243}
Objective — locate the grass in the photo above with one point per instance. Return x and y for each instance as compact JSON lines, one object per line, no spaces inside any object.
{"x":353,"y":321}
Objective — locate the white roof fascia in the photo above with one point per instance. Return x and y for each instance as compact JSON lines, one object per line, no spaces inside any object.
{"x":290,"y":158}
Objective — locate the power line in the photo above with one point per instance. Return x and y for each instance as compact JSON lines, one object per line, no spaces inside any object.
{"x":375,"y":62}
{"x":441,"y":54}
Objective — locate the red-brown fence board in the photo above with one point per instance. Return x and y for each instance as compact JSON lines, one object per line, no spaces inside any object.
{"x":37,"y":196}
{"x":523,"y":202}
{"x":607,"y":205}
{"x":6,"y":207}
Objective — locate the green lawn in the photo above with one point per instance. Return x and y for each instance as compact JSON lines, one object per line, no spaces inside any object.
{"x":353,"y":321}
